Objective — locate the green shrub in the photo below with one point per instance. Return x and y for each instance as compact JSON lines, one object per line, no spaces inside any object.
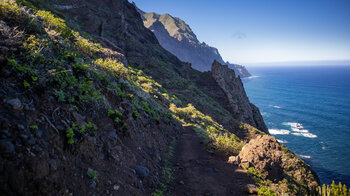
{"x":26,"y":84}
{"x":135,"y":113}
{"x":93,"y":174}
{"x":60,"y":95}
{"x":10,"y":9}
{"x":33,"y":127}
{"x":82,"y":129}
{"x":86,"y":46}
{"x":110,"y":113}
{"x":222,"y":139}
{"x":90,"y":126}
{"x":117,"y":120}
{"x":112,"y":65}
{"x":55,"y":23}
{"x":70,"y":134}
{"x":264,"y":191}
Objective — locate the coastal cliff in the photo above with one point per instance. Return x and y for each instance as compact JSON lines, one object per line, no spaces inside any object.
{"x":240,"y":106}
{"x":91,"y":104}
{"x":179,"y":39}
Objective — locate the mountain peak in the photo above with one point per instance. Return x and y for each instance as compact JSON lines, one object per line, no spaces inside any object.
{"x":178,"y":38}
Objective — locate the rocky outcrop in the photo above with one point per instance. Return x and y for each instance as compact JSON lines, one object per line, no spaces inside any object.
{"x":178,"y":38}
{"x":240,"y":107}
{"x":276,"y":163}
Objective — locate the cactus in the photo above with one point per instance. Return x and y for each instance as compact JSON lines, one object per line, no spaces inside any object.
{"x":333,"y":190}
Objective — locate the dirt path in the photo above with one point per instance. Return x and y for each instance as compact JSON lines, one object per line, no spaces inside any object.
{"x":203,"y":173}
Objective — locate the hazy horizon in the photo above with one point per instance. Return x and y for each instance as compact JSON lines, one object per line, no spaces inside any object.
{"x":299,"y":63}
{"x":260,"y":32}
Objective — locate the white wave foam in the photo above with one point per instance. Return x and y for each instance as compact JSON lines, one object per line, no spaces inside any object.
{"x":299,"y":130}
{"x":282,"y":141}
{"x":324,"y":148}
{"x":250,"y":77}
{"x":276,"y":106}
{"x":304,"y":156}
{"x":293,"y":124}
{"x":279,"y":132}
{"x":308,"y":135}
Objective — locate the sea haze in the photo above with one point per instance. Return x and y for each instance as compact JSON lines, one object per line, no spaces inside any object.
{"x":308,"y":110}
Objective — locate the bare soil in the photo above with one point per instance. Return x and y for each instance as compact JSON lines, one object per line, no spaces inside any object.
{"x":201,"y":172}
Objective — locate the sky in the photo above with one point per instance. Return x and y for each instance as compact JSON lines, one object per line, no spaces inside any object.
{"x":266,"y":31}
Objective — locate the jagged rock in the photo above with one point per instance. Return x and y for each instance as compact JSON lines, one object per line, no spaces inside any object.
{"x":232,"y":86}
{"x":251,"y":189}
{"x":265,"y":154}
{"x":244,"y":163}
{"x":234,"y":160}
{"x":15,"y":103}
{"x":141,"y":172}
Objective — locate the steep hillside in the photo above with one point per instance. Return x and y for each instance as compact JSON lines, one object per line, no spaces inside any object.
{"x":178,"y":38}
{"x":91,"y":104}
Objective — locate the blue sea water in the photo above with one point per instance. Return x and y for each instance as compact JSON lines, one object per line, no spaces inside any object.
{"x":307,"y":109}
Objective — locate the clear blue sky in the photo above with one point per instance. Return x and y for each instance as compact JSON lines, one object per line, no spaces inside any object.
{"x":258,"y":31}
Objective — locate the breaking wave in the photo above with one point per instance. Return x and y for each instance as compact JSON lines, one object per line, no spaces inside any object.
{"x":279,"y":131}
{"x":282,"y":141}
{"x":298,"y":130}
{"x":304,"y":156}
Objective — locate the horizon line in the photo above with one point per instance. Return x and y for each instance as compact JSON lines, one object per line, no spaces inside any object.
{"x":345,"y":62}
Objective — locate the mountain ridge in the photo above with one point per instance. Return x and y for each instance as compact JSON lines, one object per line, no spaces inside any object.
{"x":178,"y":38}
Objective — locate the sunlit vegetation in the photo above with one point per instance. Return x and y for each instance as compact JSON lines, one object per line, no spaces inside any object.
{"x":264,"y":183}
{"x":222,"y":139}
{"x":10,"y":9}
{"x":264,"y":191}
{"x":77,"y":131}
{"x":332,"y":190}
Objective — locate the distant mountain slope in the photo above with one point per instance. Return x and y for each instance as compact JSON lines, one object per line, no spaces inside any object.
{"x":178,"y":38}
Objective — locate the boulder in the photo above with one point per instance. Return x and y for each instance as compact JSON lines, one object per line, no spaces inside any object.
{"x":16,"y":104}
{"x":141,"y":172}
{"x":264,"y":154}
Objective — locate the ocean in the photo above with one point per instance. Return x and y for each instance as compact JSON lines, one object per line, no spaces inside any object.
{"x":308,"y":110}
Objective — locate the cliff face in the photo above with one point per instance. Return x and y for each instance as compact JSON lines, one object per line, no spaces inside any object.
{"x":239,"y":103}
{"x":178,"y":38}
